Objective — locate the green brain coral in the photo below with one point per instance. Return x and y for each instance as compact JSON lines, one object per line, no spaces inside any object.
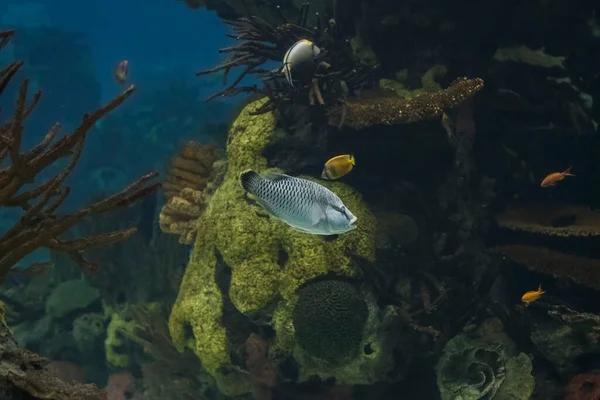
{"x":252,"y":246}
{"x":329,"y":319}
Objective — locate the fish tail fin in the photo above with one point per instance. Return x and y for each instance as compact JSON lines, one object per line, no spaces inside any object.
{"x":540,"y":289}
{"x":568,"y":172}
{"x":352,"y":159}
{"x":249,"y":179}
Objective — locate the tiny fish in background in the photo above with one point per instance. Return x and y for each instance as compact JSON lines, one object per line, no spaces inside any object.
{"x":304,"y":205}
{"x":301,"y":54}
{"x":532,"y":296}
{"x":121,"y":71}
{"x":338,"y":166}
{"x":555,"y":177}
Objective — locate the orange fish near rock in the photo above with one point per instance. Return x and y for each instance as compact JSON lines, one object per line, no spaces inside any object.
{"x":532,"y":296}
{"x":121,"y":71}
{"x":555,"y":177}
{"x":338,"y":166}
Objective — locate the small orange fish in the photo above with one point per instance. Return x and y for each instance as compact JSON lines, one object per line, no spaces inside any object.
{"x":532,"y":296}
{"x":555,"y":177}
{"x":121,"y":71}
{"x":338,"y":166}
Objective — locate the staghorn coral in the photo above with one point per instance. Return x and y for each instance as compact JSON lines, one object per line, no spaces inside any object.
{"x":484,"y":365}
{"x":385,"y":109}
{"x":329,"y":319}
{"x":337,"y":72}
{"x":41,"y":225}
{"x":581,"y":270}
{"x":551,"y":219}
{"x":267,"y":258}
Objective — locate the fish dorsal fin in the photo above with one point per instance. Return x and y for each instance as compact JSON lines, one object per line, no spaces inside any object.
{"x":274,"y":177}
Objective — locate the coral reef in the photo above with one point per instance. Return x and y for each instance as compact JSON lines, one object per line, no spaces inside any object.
{"x":551,"y":219}
{"x":190,"y":168}
{"x":581,"y":270}
{"x":193,"y":176}
{"x":565,"y":336}
{"x":337,"y":74}
{"x":266,"y":257}
{"x":70,"y":296}
{"x":484,"y":365}
{"x":42,"y":226}
{"x":88,"y":330}
{"x":329,"y":319}
{"x":384,"y":109}
{"x":584,"y":386}
{"x":259,"y":366}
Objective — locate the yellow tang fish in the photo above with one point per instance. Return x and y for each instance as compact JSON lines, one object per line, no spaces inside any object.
{"x":532,"y":296}
{"x":338,"y":166}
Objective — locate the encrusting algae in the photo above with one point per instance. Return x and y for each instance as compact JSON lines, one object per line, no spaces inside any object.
{"x":252,"y":245}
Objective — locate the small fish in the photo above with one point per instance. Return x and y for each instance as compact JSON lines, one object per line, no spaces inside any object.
{"x":532,"y":296}
{"x":555,"y":177}
{"x":448,"y":124}
{"x":304,"y":205}
{"x":338,"y":166}
{"x":301,"y":54}
{"x":121,"y":71}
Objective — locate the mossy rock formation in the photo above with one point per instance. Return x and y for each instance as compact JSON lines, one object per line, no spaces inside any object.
{"x":252,"y":246}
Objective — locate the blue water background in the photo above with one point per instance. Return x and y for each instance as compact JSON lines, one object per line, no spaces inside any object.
{"x":163,"y":40}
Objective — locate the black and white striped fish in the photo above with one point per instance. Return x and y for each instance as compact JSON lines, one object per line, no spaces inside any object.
{"x":304,"y":205}
{"x":299,"y":58}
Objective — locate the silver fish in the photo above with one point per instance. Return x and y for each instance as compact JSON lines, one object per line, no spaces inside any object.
{"x":301,"y":53}
{"x":304,"y":205}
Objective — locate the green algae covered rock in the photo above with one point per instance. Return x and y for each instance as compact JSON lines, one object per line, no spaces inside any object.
{"x":252,"y":244}
{"x":70,"y":296}
{"x":116,"y":341}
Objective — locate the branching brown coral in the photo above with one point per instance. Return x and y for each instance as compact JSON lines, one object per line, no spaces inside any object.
{"x":551,"y":220}
{"x":581,"y":270}
{"x":386,"y":109}
{"x":40,"y":226}
{"x":337,"y":73}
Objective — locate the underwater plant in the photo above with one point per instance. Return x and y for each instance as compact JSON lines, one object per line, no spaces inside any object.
{"x":41,"y":225}
{"x":336,"y":73}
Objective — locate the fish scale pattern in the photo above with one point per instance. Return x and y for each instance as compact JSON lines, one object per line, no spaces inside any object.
{"x":288,"y":198}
